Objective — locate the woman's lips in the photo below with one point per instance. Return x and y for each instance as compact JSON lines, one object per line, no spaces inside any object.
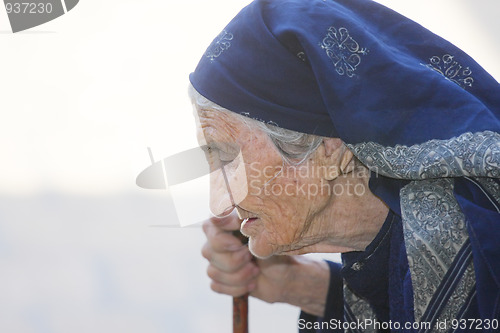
{"x":247,"y":223}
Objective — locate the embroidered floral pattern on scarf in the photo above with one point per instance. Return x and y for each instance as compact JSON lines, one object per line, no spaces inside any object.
{"x":219,"y":45}
{"x":451,"y":70}
{"x":343,"y":50}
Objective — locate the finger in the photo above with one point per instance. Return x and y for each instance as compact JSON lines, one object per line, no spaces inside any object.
{"x":232,"y":291}
{"x":240,"y":278}
{"x":230,"y":223}
{"x":228,"y":262}
{"x":219,"y":239}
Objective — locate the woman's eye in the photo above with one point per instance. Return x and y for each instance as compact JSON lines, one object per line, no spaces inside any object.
{"x":209,"y":149}
{"x":225,"y":155}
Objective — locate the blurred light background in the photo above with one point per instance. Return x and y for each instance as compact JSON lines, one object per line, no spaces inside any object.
{"x":82,"y":249}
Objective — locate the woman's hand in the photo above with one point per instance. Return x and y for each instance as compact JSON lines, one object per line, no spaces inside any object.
{"x":231,"y":268}
{"x":294,"y":280}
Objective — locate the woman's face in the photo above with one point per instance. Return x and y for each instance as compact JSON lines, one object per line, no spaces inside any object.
{"x":279,"y":204}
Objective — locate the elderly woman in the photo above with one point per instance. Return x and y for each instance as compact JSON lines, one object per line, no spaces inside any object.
{"x":352,"y":129}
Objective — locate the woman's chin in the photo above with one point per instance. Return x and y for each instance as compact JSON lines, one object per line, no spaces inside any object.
{"x":258,"y":250}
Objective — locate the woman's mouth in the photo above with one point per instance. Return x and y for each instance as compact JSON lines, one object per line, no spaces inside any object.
{"x":247,"y":223}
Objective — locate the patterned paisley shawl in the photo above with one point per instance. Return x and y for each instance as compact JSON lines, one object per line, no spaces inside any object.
{"x":436,"y":235}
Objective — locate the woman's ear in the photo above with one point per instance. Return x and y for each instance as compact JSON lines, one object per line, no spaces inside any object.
{"x":347,"y":163}
{"x":336,"y":158}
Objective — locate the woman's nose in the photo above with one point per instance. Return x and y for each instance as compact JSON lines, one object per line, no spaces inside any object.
{"x":221,"y":199}
{"x":228,"y":187}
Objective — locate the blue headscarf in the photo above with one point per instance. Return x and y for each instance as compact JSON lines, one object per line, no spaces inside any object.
{"x":352,"y":69}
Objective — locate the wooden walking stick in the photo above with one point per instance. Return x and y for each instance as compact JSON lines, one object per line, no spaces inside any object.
{"x":240,"y":314}
{"x":240,"y":304}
